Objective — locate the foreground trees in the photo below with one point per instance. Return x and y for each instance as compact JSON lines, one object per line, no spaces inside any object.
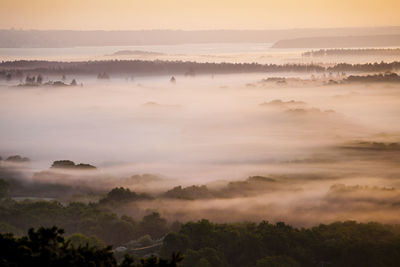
{"x":204,"y":243}
{"x":90,"y":226}
{"x":89,"y":219}
{"x":47,"y":247}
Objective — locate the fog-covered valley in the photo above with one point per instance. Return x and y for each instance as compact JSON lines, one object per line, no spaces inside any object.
{"x":328,"y":151}
{"x":171,"y":133}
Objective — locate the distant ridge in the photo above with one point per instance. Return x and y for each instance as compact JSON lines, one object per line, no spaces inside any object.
{"x":65,"y":38}
{"x":340,"y":41}
{"x":135,"y":53}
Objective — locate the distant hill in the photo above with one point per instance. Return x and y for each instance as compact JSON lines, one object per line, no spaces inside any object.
{"x":65,"y":38}
{"x":340,"y":41}
{"x":136,"y":53}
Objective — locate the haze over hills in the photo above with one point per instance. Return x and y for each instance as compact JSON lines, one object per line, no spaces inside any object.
{"x":66,"y":38}
{"x":340,"y":41}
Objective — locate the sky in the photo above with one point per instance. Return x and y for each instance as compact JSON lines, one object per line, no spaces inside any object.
{"x":196,"y":14}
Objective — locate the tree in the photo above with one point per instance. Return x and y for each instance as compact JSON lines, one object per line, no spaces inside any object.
{"x":85,"y":166}
{"x":175,"y":242}
{"x":39,"y":79}
{"x":154,"y":225}
{"x":4,"y":188}
{"x":64,"y":164}
{"x":17,"y":159}
{"x":103,"y":76}
{"x":121,"y":195}
{"x":69,"y":164}
{"x":277,"y":261}
{"x":80,"y":240}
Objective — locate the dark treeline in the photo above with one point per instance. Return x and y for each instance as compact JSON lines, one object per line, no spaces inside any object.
{"x":17,"y":69}
{"x":207,"y":244}
{"x":368,"y":67}
{"x":201,"y":243}
{"x":353,"y":52}
{"x":251,"y":186}
{"x":265,"y":244}
{"x":140,"y":67}
{"x":15,"y":158}
{"x":381,"y":78}
{"x":380,"y":146}
{"x":69,"y":164}
{"x":91,"y":219}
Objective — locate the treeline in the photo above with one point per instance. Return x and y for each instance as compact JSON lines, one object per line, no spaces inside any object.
{"x":353,"y":52}
{"x":140,"y":67}
{"x":16,"y":159}
{"x":69,"y":164}
{"x":265,"y":244}
{"x":18,"y":69}
{"x":206,"y":244}
{"x":251,"y":186}
{"x":201,"y":243}
{"x":91,"y":219}
{"x":379,"y":146}
{"x":381,"y":78}
{"x":368,"y":67}
{"x":45,"y":187}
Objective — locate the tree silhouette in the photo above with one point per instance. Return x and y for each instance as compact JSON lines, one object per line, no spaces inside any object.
{"x":47,"y":247}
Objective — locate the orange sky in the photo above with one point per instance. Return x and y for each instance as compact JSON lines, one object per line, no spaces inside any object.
{"x":196,"y":14}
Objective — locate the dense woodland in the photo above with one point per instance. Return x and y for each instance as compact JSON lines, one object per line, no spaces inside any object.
{"x":385,"y":78}
{"x":88,"y":227}
{"x":265,"y":244}
{"x":17,"y":70}
{"x":140,"y":67}
{"x":204,"y":243}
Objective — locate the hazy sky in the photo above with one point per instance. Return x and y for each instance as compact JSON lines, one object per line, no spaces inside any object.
{"x":196,"y":14}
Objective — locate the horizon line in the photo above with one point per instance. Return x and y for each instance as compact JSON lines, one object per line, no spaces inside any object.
{"x":202,"y":30}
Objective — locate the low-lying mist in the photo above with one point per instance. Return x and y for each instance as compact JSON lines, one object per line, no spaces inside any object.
{"x":332,"y":151}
